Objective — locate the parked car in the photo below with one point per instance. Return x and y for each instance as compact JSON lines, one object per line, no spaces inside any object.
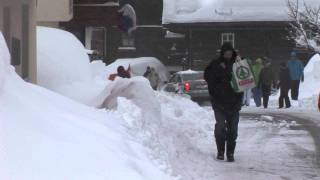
{"x":190,"y":83}
{"x":139,"y":67}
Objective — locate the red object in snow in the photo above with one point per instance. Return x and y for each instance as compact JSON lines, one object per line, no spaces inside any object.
{"x":187,"y":86}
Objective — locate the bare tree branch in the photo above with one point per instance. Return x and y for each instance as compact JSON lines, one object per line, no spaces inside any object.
{"x":305,"y":24}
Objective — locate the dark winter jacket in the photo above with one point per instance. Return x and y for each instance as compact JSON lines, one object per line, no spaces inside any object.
{"x":218,"y":76}
{"x":266,"y":77}
{"x":284,"y":77}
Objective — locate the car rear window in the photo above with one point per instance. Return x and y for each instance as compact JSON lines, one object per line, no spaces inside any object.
{"x":192,"y":77}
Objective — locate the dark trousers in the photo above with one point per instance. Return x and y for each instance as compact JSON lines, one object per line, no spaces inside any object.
{"x":284,"y":98}
{"x":266,"y":92}
{"x":295,"y":85}
{"x":226,"y":130}
{"x":257,"y":94}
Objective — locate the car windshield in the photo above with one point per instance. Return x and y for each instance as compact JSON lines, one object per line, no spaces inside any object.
{"x":192,"y":77}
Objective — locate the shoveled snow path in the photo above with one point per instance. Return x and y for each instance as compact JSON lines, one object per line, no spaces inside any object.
{"x":266,"y":150}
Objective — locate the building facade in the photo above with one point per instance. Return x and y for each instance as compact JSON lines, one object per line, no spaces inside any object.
{"x":50,"y":13}
{"x":95,"y":23}
{"x":251,"y":39}
{"x":18,"y":25}
{"x":18,"y":21}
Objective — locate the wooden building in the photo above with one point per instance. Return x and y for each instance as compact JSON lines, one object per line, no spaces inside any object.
{"x":95,"y":23}
{"x":259,"y":32}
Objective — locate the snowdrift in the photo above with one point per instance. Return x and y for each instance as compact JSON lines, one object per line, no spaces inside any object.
{"x":62,"y":59}
{"x":311,"y":85}
{"x":4,"y":62}
{"x":46,"y":136}
{"x":185,"y":127}
{"x":71,"y":74}
{"x":64,"y":66}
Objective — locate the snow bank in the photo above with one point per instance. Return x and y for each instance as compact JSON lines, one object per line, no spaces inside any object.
{"x":186,"y":11}
{"x":184,"y":127}
{"x":54,"y":138}
{"x":62,"y":59}
{"x":64,"y":66}
{"x":4,"y":61}
{"x":138,"y":91}
{"x":311,"y":86}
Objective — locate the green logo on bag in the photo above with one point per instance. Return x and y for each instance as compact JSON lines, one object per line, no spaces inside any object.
{"x":243,"y":72}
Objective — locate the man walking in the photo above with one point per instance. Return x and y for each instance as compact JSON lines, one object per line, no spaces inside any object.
{"x":226,"y":102}
{"x":266,"y":81}
{"x":296,"y":69}
{"x":284,"y":86}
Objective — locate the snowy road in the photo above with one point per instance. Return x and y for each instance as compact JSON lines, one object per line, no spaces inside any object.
{"x":276,"y":148}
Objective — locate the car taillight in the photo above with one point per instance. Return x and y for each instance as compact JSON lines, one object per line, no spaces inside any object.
{"x":187,"y":86}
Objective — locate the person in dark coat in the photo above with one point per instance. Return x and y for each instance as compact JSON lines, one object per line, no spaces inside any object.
{"x":225,"y":101}
{"x":266,"y":81}
{"x":148,"y":72}
{"x":284,"y":85}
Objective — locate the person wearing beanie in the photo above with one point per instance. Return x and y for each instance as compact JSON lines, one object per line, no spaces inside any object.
{"x":266,"y":81}
{"x":296,"y":69}
{"x":226,"y":102}
{"x":284,"y":85}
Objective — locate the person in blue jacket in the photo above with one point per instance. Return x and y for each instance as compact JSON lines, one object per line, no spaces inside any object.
{"x":296,"y":69}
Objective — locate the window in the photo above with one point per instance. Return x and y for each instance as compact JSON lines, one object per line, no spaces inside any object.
{"x":16,"y":52}
{"x":127,"y":40}
{"x":228,"y":37}
{"x":96,"y":40}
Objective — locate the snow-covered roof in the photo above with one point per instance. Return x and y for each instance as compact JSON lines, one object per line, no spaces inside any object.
{"x":199,"y":11}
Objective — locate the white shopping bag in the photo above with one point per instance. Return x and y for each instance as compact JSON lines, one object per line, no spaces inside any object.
{"x":242,"y":76}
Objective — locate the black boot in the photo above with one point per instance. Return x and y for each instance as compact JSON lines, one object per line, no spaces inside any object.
{"x":221,"y":149}
{"x":230,"y":151}
{"x":220,"y":156}
{"x":230,"y":158}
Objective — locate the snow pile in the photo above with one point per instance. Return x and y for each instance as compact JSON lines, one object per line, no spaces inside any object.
{"x":64,"y":66}
{"x":185,"y":127}
{"x":55,"y":138}
{"x":4,"y":61}
{"x":62,"y":59}
{"x":311,"y":86}
{"x":138,"y":91}
{"x":186,"y":11}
